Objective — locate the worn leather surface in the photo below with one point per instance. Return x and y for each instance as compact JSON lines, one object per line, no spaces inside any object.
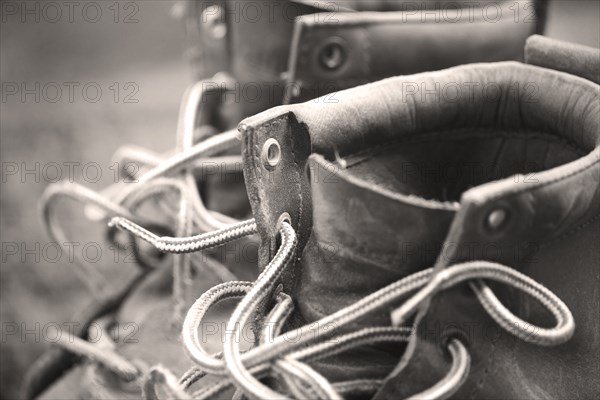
{"x":386,"y":212}
{"x":563,"y":56}
{"x":275,"y":49}
{"x":412,"y":37}
{"x":557,"y":128}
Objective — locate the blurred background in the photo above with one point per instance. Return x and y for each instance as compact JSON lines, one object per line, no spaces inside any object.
{"x":135,"y":54}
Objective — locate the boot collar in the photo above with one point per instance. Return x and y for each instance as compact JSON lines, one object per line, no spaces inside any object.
{"x":386,"y":111}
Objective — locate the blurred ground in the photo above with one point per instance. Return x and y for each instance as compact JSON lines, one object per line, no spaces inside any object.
{"x":145,"y":55}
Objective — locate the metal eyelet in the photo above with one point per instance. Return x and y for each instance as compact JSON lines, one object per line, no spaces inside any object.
{"x":212,"y":18}
{"x":497,"y":219}
{"x":271,"y":153}
{"x":285,"y":217}
{"x":332,"y":55}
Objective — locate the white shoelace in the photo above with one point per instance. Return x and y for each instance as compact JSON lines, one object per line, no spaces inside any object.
{"x":161,"y":177}
{"x":311,"y":342}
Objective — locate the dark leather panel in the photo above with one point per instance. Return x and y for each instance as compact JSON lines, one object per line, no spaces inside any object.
{"x":365,"y":236}
{"x":377,"y":45}
{"x":285,"y":189}
{"x":274,"y":49}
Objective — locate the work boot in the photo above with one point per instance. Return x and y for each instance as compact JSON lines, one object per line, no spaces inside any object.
{"x":286,"y":70}
{"x":543,"y":224}
{"x":423,"y":246}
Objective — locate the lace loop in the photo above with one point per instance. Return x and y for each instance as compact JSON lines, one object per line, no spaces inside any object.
{"x":474,"y":272}
{"x":456,"y":376}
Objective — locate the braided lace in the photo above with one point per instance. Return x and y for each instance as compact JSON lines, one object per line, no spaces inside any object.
{"x":277,"y":353}
{"x":182,"y":245}
{"x":162,"y":176}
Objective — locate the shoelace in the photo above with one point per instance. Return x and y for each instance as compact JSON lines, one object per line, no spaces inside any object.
{"x":104,"y":355}
{"x":159,"y":180}
{"x":136,"y":194}
{"x":310,"y":340}
{"x":293,"y":369}
{"x":182,"y":245}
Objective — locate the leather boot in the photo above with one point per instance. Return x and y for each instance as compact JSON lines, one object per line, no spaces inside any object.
{"x":459,"y":227}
